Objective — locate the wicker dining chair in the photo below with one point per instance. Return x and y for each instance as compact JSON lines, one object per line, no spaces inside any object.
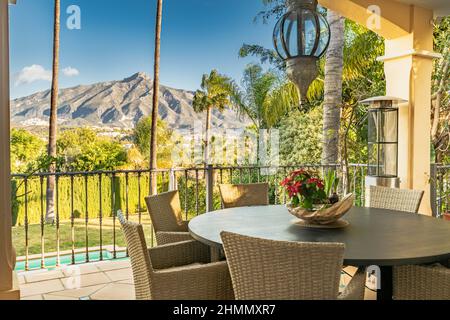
{"x":394,"y":199}
{"x":421,"y":283}
{"x":244,"y":195}
{"x":277,"y":270}
{"x":177,"y":271}
{"x":166,"y":215}
{"x":411,"y":282}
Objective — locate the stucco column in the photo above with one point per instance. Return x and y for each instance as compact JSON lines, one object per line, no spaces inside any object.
{"x":8,"y":283}
{"x":408,"y":67}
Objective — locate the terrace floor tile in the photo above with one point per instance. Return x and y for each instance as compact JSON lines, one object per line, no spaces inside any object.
{"x":115,"y":291}
{"x":42,"y":275}
{"x":79,"y":293}
{"x":113,"y":265}
{"x":31,"y":289}
{"x":37,"y":297}
{"x":120,"y":274}
{"x":128,"y":281}
{"x":370,"y":295}
{"x":81,"y":269}
{"x":55,"y":297}
{"x":85,"y":280}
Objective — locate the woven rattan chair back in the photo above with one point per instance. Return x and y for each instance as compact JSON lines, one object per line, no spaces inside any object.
{"x":165,"y":211}
{"x":274,"y":270}
{"x":421,"y":283}
{"x":244,"y":195}
{"x":394,"y":199}
{"x":140,"y":259}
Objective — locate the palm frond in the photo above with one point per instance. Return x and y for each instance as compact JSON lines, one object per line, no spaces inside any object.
{"x":215,"y":93}
{"x":280,"y":101}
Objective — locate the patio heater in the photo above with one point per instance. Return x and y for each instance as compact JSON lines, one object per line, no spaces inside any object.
{"x":301,"y":37}
{"x":383,"y":141}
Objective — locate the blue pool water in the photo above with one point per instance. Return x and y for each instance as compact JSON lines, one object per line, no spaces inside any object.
{"x":50,"y":262}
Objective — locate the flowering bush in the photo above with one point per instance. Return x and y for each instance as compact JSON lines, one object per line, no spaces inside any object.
{"x":305,"y":189}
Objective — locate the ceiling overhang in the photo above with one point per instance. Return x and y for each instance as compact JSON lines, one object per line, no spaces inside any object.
{"x":441,"y":8}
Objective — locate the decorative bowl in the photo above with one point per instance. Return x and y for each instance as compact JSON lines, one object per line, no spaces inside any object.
{"x":324,"y":214}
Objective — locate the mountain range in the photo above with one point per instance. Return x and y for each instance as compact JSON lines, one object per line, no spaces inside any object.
{"x":117,"y":104}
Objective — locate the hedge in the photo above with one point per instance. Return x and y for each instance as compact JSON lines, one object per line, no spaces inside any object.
{"x":36,"y":198}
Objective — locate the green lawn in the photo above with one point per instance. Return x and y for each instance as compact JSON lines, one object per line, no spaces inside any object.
{"x":79,"y":230}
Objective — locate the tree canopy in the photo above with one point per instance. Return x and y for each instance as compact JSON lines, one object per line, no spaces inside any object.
{"x":141,"y":139}
{"x":266,"y":96}
{"x":81,"y":149}
{"x":25,"y":149}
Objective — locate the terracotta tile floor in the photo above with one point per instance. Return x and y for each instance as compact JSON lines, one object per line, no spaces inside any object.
{"x":107,"y":280}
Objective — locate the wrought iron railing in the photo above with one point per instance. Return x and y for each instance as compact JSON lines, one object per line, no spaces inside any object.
{"x":85,"y":227}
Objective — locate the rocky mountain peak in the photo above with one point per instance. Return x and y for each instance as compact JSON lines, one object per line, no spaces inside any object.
{"x":137,"y":76}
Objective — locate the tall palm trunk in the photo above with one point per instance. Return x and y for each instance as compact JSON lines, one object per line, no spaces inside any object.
{"x":153,"y":135}
{"x":208,"y":128}
{"x":333,"y":90}
{"x":438,"y":137}
{"x":51,"y":194}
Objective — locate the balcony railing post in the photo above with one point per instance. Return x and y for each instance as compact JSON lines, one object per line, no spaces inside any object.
{"x":172,"y":180}
{"x":209,"y":188}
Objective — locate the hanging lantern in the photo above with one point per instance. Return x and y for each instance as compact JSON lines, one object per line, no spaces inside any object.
{"x":301,"y":37}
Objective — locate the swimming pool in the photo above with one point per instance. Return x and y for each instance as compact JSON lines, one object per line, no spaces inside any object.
{"x":50,"y":262}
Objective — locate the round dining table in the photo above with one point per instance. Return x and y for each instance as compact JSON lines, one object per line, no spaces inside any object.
{"x":374,"y":237}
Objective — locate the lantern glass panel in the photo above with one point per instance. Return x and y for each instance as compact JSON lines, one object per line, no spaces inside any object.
{"x":277,"y":39}
{"x":324,"y":39}
{"x":389,"y":131}
{"x":383,"y":160}
{"x":383,"y":126}
{"x":373,"y":160}
{"x":388,"y":160}
{"x":309,"y":32}
{"x":373,"y":126}
{"x":291,"y":34}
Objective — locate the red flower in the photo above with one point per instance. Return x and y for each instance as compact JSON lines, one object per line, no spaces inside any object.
{"x":286,"y":182}
{"x":317,"y":182}
{"x":294,"y":189}
{"x":299,"y":173}
{"x":304,"y":184}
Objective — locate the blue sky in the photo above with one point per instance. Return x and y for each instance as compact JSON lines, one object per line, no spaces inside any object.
{"x":116,"y":40}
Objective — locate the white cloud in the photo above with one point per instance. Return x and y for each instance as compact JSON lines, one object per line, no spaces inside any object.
{"x":70,"y":72}
{"x":32,"y":74}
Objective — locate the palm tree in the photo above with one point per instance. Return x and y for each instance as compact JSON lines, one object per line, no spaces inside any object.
{"x":153,"y":135}
{"x":334,"y":66}
{"x":50,"y":212}
{"x":215,"y":93}
{"x":440,"y":131}
{"x":265,"y":99}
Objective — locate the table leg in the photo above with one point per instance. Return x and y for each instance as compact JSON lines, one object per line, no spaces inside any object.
{"x":385,"y":293}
